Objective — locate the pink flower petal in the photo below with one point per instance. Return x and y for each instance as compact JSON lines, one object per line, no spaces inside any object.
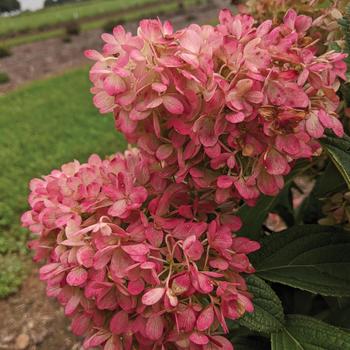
{"x":81,"y":324}
{"x":85,"y":256}
{"x":93,"y":55}
{"x":225,"y":181}
{"x":97,"y":339}
{"x":275,"y":162}
{"x":244,"y":245}
{"x":172,"y":104}
{"x":77,"y":276}
{"x":186,"y":319}
{"x":225,"y":344}
{"x":313,"y":126}
{"x":155,"y":237}
{"x":118,"y":208}
{"x":104,"y":102}
{"x":164,"y":151}
{"x":218,"y":263}
{"x":119,"y":323}
{"x":191,"y":41}
{"x":136,"y":249}
{"x":154,"y":327}
{"x":235,"y":117}
{"x":199,"y":338}
{"x":136,"y":287}
{"x":114,"y":85}
{"x":153,"y":296}
{"x":193,"y":248}
{"x":181,"y":284}
{"x":205,"y":319}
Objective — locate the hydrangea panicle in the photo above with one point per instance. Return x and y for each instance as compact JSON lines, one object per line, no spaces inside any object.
{"x":228,"y":107}
{"x":135,"y":264}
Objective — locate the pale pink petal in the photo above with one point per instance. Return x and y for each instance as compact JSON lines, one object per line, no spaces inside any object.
{"x":289,"y":18}
{"x":164,"y":151}
{"x":104,"y":102}
{"x":205,"y":319}
{"x":77,"y":276}
{"x":154,"y":327}
{"x":159,"y":87}
{"x":114,"y":85}
{"x":173,"y":104}
{"x":118,"y":208}
{"x":97,"y":339}
{"x":85,"y":256}
{"x":93,"y":55}
{"x":275,"y":162}
{"x":244,"y":245}
{"x":136,"y":249}
{"x":199,"y":338}
{"x":254,"y":96}
{"x":181,"y":284}
{"x":153,"y":296}
{"x":191,"y":41}
{"x":303,"y":23}
{"x":81,"y":324}
{"x":313,"y":126}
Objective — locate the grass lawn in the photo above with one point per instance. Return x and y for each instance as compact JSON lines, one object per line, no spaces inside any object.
{"x":42,"y":126}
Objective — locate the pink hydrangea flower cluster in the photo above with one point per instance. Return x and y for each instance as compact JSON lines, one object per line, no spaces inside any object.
{"x":229,"y":107}
{"x":138,"y":262}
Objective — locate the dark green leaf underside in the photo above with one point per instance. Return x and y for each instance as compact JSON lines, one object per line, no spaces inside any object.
{"x":306,"y":333}
{"x":310,"y":257}
{"x":338,"y":150}
{"x":268,"y":312}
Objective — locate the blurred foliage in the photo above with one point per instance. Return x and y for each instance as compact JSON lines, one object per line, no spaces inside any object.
{"x":4,"y":78}
{"x":9,"y":5}
{"x":109,"y":25}
{"x":54,"y":16}
{"x":72,"y":28}
{"x":4,"y":51}
{"x":12,"y":271}
{"x":59,"y":2}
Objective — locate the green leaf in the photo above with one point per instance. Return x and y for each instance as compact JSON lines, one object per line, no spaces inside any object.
{"x":259,"y":212}
{"x":310,"y":257}
{"x":338,"y":150}
{"x":323,"y":186}
{"x":250,"y":343}
{"x":254,"y":217}
{"x":339,"y":317}
{"x":307,"y":333}
{"x":268,"y":312}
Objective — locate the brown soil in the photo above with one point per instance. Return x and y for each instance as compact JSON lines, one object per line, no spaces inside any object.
{"x":28,"y":319}
{"x":44,"y":58}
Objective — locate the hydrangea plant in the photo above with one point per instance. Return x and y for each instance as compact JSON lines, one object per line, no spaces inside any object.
{"x":164,"y":246}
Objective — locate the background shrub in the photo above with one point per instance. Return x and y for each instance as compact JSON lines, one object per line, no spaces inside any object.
{"x":72,"y":28}
{"x":67,"y":39}
{"x":109,"y":25}
{"x":4,"y":51}
{"x":4,"y":78}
